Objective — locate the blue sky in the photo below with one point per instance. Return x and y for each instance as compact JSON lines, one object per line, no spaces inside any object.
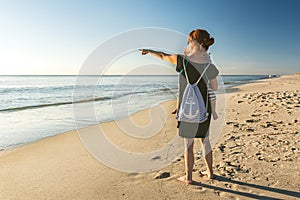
{"x":56,"y":37}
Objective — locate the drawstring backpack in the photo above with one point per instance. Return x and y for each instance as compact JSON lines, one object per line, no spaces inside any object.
{"x":192,"y":108}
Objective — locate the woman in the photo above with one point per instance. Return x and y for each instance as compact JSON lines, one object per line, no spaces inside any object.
{"x":199,"y":41}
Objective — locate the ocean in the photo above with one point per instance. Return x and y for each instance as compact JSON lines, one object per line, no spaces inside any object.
{"x":35,"y":107}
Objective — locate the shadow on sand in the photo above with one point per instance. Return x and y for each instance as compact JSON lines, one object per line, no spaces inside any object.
{"x":245,"y":194}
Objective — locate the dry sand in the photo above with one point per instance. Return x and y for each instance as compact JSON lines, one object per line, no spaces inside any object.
{"x":257,"y":156}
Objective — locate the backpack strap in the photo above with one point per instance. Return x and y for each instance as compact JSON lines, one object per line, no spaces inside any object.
{"x":184,"y":69}
{"x":186,"y":76}
{"x":205,"y":68}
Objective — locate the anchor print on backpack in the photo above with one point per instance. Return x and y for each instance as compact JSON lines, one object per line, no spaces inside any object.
{"x":192,"y":107}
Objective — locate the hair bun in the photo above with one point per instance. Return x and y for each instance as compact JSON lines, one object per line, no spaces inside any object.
{"x":210,"y":42}
{"x":202,"y":37}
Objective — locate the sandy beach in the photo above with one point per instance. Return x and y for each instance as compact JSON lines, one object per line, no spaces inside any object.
{"x":256,"y":157}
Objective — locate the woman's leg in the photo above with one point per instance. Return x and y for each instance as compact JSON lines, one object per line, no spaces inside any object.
{"x":189,"y":157}
{"x":207,"y":154}
{"x":189,"y":160}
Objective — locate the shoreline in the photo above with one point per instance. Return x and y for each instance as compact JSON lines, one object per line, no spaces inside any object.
{"x":252,"y":159}
{"x":259,"y":83}
{"x":234,"y":88}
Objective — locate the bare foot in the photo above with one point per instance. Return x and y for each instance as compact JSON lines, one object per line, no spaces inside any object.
{"x":215,"y":115}
{"x":184,"y":180}
{"x":207,"y":175}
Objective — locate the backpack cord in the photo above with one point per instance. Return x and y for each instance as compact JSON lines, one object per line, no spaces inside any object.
{"x":187,"y":78}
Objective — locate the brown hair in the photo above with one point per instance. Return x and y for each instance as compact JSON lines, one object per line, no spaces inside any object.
{"x":202,"y":37}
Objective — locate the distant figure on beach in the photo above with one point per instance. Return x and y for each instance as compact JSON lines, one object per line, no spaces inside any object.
{"x":199,"y":41}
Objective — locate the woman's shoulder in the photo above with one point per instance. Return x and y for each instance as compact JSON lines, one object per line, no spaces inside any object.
{"x":179,"y":65}
{"x":180,"y":57}
{"x":212,"y":71}
{"x":213,"y":65}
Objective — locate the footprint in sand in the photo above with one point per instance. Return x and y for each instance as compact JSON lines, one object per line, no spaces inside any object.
{"x":162,"y":175}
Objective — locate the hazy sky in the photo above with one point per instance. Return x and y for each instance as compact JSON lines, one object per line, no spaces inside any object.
{"x":56,"y":37}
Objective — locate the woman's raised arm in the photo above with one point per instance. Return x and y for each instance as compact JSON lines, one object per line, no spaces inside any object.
{"x":172,"y":58}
